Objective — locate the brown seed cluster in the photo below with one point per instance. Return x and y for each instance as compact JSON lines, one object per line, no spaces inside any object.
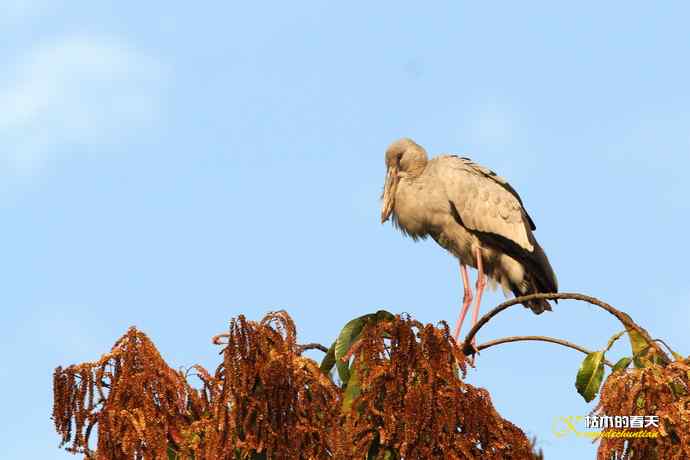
{"x":137,"y":401}
{"x":266,"y":401}
{"x":414,"y":404}
{"x":265,"y":398}
{"x":654,"y":390}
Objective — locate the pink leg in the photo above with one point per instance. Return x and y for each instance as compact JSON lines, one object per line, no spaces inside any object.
{"x":466,"y":300}
{"x":481,"y":284}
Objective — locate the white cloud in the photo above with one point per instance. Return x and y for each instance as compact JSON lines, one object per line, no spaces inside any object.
{"x":83,"y":91}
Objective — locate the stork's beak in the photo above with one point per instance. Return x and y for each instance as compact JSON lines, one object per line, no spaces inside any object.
{"x":389,"y":193}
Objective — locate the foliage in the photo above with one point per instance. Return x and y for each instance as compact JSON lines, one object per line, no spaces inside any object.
{"x":591,"y":372}
{"x":398,"y":393}
{"x":404,"y":398}
{"x":663,"y":390}
{"x":412,"y":403}
{"x":139,"y":403}
{"x":590,"y":375}
{"x":265,"y":400}
{"x":654,"y":386}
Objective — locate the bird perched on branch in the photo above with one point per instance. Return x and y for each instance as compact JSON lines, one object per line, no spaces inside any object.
{"x":473,"y":214}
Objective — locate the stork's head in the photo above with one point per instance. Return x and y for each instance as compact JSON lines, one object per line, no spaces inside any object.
{"x":402,"y":156}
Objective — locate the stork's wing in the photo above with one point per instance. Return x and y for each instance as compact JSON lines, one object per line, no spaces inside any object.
{"x":483,"y":201}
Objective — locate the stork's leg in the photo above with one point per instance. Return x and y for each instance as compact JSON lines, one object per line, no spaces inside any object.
{"x":466,"y":300}
{"x":481,"y":284}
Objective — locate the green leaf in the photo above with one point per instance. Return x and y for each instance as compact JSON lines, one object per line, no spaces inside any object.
{"x":642,"y":361}
{"x":622,"y":364}
{"x":677,"y":389}
{"x":352,"y":390}
{"x":389,"y":455}
{"x":637,"y":342}
{"x":590,"y":375}
{"x":345,"y":339}
{"x":639,"y":346}
{"x":328,"y":360}
{"x":383,"y":315}
{"x":343,"y":372}
{"x":613,"y":339}
{"x":349,"y":334}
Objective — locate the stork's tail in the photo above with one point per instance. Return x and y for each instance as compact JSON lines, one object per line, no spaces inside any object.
{"x":540,"y":279}
{"x":538,"y":306}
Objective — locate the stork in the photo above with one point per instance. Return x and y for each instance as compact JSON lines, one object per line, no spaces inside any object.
{"x":472,"y":213}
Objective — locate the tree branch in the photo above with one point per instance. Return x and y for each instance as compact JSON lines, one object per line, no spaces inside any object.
{"x":218,"y":339}
{"x":537,"y":338}
{"x":311,"y":346}
{"x":667,"y":347}
{"x":622,"y":317}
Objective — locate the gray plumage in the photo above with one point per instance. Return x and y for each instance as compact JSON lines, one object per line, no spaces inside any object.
{"x":466,"y":208}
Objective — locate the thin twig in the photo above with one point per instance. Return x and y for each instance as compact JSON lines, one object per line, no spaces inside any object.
{"x":622,"y":317}
{"x":538,"y":338}
{"x":666,"y":345}
{"x":216,"y":340}
{"x":311,"y":346}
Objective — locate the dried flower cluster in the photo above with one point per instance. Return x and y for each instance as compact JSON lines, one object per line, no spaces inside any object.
{"x":265,"y":398}
{"x":654,"y":390}
{"x":138,"y":402}
{"x":405,"y":399}
{"x":413,"y":403}
{"x":264,"y":401}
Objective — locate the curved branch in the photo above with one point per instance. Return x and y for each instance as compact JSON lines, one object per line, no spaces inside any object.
{"x":537,"y":338}
{"x":667,"y":347}
{"x":311,"y":346}
{"x":622,"y":317}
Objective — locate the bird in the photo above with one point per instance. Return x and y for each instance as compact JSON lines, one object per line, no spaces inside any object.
{"x":475,"y":215}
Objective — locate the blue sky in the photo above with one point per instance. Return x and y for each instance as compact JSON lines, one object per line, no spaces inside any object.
{"x":171,"y":167}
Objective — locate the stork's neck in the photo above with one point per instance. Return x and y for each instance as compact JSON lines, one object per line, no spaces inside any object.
{"x":409,"y":213}
{"x":415,"y":168}
{"x":413,"y":162}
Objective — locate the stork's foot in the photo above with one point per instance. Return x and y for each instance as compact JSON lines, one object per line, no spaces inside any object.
{"x":476,"y":352}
